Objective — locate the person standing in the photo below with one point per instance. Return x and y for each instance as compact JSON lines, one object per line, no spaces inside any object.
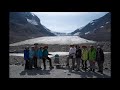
{"x":72,"y":52}
{"x":45,"y":56}
{"x":35,"y":55}
{"x":100,"y":59}
{"x":40,"y":55}
{"x":31,"y":55}
{"x":92,"y":57}
{"x":84,"y":57}
{"x":26,"y":57}
{"x":78,"y":57}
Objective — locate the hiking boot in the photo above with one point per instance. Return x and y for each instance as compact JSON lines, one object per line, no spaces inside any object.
{"x":82,"y":68}
{"x":101,"y":72}
{"x":67,"y":64}
{"x":90,"y":69}
{"x":51,"y":67}
{"x":77,"y":69}
{"x":72,"y":68}
{"x":98,"y":71}
{"x":40,"y":68}
{"x":44,"y":68}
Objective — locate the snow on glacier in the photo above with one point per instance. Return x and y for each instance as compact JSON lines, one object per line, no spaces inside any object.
{"x":61,"y":40}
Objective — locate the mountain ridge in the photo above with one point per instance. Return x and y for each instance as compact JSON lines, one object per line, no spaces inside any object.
{"x":25,"y":25}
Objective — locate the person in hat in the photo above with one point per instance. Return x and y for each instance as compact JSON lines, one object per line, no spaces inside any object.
{"x":92,"y":57}
{"x":35,"y":55}
{"x":84,"y":57}
{"x":26,"y":57}
{"x":78,"y":56}
{"x":100,"y":58}
{"x":45,"y":56}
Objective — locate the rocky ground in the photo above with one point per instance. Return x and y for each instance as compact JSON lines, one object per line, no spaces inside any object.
{"x":16,"y":69}
{"x":16,"y":64}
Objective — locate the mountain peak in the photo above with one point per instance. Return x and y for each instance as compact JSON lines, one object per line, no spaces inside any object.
{"x":98,"y":29}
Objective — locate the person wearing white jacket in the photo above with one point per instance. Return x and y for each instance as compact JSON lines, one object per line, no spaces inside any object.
{"x":72,"y":52}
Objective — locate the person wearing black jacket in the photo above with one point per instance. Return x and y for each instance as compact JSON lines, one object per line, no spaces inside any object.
{"x":78,"y":57}
{"x":100,"y":59}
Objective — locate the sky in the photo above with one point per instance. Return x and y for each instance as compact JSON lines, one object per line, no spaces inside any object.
{"x":67,"y":22}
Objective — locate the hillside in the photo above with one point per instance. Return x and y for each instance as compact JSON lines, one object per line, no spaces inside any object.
{"x":25,"y":25}
{"x":98,"y":29}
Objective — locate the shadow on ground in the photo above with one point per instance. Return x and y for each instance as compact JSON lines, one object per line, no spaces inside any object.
{"x":89,"y":74}
{"x":35,"y":72}
{"x":82,"y":73}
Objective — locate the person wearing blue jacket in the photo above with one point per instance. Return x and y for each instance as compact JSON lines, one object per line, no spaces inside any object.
{"x":31,"y":55}
{"x":45,"y":56}
{"x":26,"y":57}
{"x":40,"y":56}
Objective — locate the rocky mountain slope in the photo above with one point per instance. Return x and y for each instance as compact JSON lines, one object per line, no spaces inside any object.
{"x":98,"y":29}
{"x":25,"y":25}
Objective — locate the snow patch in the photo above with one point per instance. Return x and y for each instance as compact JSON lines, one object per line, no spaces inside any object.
{"x":76,"y":34}
{"x":92,"y":21}
{"x":101,"y":26}
{"x":33,"y":14}
{"x":32,"y":21}
{"x":87,"y":32}
{"x":92,"y":24}
{"x":107,"y":22}
{"x":81,"y":28}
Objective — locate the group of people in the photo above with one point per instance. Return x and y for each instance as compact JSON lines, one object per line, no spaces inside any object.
{"x":34,"y":55}
{"x":85,"y":54}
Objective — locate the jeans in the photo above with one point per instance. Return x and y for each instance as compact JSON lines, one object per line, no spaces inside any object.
{"x":84,"y":64}
{"x":100,"y":65}
{"x":44,"y":63}
{"x":78,"y":62}
{"x":39,"y":62}
{"x":92,"y":64}
{"x":73,"y":61}
{"x":35,"y":62}
{"x":27,"y":64}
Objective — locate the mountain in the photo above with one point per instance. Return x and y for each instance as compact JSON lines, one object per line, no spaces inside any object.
{"x":25,"y":25}
{"x":98,"y":29}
